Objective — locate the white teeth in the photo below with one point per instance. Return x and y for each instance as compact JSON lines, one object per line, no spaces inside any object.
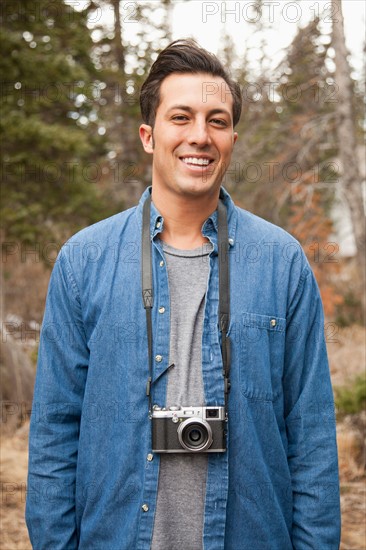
{"x":192,"y":160}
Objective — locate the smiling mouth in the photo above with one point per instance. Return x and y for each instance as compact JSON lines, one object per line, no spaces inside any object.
{"x":194,"y":161}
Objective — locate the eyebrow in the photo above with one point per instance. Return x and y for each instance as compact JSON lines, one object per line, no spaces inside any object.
{"x":192,"y":111}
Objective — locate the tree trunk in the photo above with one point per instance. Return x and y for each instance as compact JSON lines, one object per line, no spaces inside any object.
{"x":118,"y":45}
{"x":351,"y":178}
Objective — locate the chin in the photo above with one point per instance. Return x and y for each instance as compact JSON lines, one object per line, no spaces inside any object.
{"x":197,"y":188}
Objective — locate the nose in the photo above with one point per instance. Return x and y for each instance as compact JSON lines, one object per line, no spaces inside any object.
{"x":198,"y":134}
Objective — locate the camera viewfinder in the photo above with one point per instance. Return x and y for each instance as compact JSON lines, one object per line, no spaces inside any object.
{"x":212,"y":413}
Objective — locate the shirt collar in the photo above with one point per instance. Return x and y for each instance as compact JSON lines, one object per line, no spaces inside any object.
{"x":157,"y":220}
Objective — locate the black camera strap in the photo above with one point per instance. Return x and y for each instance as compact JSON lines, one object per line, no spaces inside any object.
{"x":224,"y":292}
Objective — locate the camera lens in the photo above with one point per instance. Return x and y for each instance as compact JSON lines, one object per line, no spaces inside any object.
{"x":195,"y":435}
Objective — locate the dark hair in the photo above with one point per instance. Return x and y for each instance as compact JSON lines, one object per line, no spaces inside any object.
{"x":183,"y":56}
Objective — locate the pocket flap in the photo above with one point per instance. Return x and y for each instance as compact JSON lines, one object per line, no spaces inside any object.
{"x":268,"y":322}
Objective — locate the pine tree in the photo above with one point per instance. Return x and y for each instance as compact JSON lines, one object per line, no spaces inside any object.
{"x":123,"y":66}
{"x":49,"y":124}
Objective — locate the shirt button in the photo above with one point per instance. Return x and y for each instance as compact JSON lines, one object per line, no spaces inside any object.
{"x":161,"y":263}
{"x":273,"y":322}
{"x":231,"y":241}
{"x":145,"y":507}
{"x":161,"y":309}
{"x":158,"y":224}
{"x":158,"y":358}
{"x":150,"y":457}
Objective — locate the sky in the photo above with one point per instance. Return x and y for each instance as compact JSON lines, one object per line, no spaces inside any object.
{"x":206,"y":20}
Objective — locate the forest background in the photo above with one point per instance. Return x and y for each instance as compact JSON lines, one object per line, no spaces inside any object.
{"x":71,"y":75}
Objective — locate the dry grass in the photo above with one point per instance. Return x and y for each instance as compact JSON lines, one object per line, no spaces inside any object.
{"x":351,"y":448}
{"x":14,"y":465}
{"x":353,"y":505}
{"x":25,"y":282}
{"x":346,"y":351}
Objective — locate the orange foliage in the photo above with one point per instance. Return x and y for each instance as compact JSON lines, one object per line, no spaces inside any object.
{"x":312,"y":228}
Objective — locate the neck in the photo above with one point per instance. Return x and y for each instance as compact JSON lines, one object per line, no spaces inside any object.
{"x":183,"y":217}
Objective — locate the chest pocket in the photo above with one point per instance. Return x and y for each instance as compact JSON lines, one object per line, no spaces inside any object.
{"x":262,"y":346}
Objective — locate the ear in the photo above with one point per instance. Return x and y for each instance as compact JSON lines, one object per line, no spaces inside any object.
{"x":235,"y":137}
{"x":146,"y":137}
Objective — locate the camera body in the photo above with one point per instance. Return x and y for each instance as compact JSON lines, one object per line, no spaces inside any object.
{"x":181,"y":429}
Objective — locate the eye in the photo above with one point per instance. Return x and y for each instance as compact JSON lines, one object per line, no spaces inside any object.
{"x":180,"y":118}
{"x":219,"y":122}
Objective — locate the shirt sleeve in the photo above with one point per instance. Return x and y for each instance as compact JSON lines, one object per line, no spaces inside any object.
{"x":54,"y":428}
{"x":310,"y":422}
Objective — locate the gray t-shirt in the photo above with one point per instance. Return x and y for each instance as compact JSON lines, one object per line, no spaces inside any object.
{"x":182,"y":477}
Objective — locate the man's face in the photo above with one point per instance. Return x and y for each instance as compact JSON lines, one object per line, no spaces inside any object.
{"x":193,"y":137}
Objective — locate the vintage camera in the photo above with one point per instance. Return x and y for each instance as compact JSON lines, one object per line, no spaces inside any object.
{"x":188,"y":429}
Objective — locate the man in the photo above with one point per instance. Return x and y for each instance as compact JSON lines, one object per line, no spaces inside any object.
{"x":118,"y":350}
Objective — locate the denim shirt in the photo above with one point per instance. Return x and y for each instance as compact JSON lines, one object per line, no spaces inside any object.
{"x":93,"y":478}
